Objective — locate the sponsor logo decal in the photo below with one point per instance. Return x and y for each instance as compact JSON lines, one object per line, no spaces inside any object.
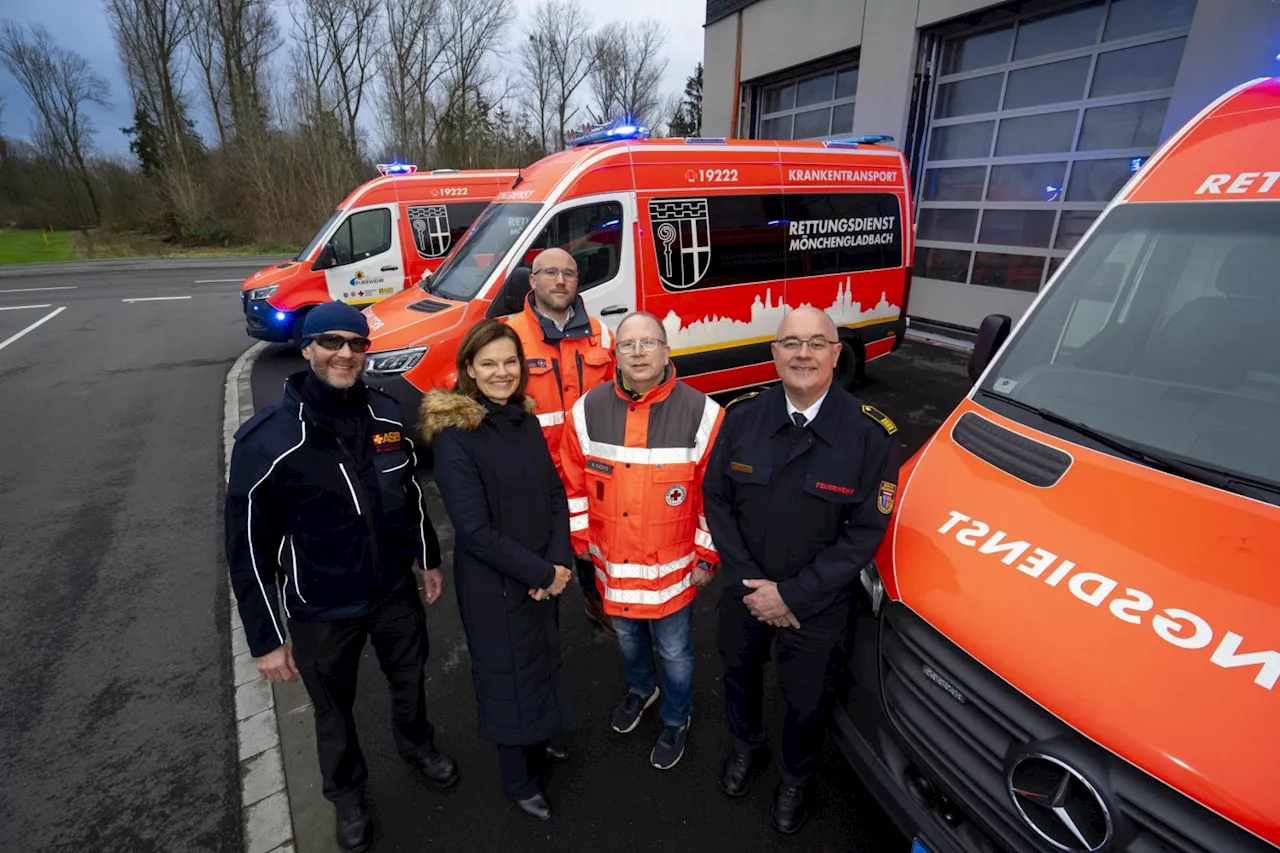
{"x":385,"y":442}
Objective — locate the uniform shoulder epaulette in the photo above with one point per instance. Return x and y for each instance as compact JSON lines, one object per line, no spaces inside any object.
{"x":741,"y":398}
{"x":254,"y":422}
{"x":880,"y":418}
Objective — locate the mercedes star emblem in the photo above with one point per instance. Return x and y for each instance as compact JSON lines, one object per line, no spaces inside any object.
{"x":1060,"y":804}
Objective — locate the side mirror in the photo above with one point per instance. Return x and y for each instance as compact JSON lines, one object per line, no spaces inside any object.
{"x":510,"y":297}
{"x":327,"y":258}
{"x":991,"y":334}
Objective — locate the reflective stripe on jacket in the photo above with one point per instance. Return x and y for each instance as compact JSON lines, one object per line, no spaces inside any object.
{"x":563,"y":365}
{"x":633,"y":475}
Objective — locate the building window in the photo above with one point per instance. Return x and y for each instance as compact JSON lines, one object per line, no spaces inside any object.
{"x":814,"y":106}
{"x":1034,"y":126}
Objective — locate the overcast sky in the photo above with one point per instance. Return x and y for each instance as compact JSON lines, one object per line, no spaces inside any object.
{"x":82,"y":26}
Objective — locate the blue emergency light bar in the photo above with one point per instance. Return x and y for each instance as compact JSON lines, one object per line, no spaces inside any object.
{"x":397,"y":168}
{"x":590,"y":134}
{"x":854,"y":142}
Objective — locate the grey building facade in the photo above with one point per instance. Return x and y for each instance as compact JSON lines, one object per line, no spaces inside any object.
{"x":1020,"y":120}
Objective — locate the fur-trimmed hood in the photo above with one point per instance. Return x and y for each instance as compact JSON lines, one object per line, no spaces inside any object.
{"x":443,"y":409}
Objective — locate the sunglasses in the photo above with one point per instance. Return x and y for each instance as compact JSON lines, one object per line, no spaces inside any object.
{"x":335,"y":342}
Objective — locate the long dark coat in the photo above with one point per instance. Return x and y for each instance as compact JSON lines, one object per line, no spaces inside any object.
{"x":511,"y":525}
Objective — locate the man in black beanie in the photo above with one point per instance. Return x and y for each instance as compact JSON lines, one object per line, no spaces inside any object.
{"x":324,"y":517}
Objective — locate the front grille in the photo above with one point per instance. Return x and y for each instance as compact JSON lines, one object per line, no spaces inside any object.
{"x":966,"y":728}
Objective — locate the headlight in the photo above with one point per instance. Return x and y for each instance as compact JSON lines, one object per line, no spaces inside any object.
{"x":260,"y":293}
{"x":394,"y":361}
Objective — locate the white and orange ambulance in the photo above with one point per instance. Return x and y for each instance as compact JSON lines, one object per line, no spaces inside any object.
{"x":719,"y":239}
{"x":1072,"y":637}
{"x":384,"y":237}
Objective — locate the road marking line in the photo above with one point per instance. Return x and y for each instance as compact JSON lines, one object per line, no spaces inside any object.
{"x":217,"y":280}
{"x":154,"y":298}
{"x":34,"y":289}
{"x":46,"y":318}
{"x":22,"y":307}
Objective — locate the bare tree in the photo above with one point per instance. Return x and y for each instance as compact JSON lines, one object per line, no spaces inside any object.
{"x":473,"y":31}
{"x":537,"y":75}
{"x":151,"y":36}
{"x":411,"y":67}
{"x":61,"y":84}
{"x":568,"y":32}
{"x":629,"y":65}
{"x":232,"y":41}
{"x":342,"y":39}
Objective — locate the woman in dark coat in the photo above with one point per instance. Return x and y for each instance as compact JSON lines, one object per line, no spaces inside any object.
{"x":511,"y":526}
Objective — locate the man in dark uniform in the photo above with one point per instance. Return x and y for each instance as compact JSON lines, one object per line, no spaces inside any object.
{"x":797,"y":494}
{"x":324,"y":517}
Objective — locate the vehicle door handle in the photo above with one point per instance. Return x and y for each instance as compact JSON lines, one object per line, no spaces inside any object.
{"x":390,"y":269}
{"x":614,"y":309}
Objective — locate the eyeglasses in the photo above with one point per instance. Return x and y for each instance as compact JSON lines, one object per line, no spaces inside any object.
{"x":552,"y":273}
{"x":645,"y":345}
{"x":334,"y":342}
{"x":816,"y":344}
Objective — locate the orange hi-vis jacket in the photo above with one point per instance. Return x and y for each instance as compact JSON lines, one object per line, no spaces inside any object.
{"x":563,"y":365}
{"x":633,"y":476}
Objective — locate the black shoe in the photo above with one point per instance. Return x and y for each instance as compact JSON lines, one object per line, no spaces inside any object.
{"x":739,"y":773}
{"x":435,"y":765}
{"x":789,"y":810}
{"x":556,"y":753}
{"x":626,"y":716}
{"x":670,"y":746}
{"x":355,"y":827}
{"x":536,"y":805}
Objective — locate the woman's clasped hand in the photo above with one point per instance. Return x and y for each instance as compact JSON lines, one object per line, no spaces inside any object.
{"x":563,"y":576}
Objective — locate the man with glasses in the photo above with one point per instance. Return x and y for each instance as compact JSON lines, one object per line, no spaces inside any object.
{"x":325,"y":519}
{"x":797,"y":495}
{"x":634,"y":453}
{"x":568,"y":353}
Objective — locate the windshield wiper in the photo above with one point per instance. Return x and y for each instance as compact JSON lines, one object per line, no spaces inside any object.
{"x":1151,"y":458}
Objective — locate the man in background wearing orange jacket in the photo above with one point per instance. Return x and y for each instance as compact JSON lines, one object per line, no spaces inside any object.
{"x":568,"y":353}
{"x":633,"y":456}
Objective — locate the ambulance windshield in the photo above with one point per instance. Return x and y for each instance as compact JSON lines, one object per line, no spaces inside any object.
{"x":481,"y":251}
{"x":319,"y":235}
{"x":1160,"y":334}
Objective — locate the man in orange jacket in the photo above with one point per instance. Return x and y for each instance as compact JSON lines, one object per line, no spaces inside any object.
{"x":568,"y":353}
{"x":633,"y":456}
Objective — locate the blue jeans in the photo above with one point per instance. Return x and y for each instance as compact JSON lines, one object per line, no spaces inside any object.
{"x":675,"y":646}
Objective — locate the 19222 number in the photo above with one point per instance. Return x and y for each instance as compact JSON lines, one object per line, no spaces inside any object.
{"x":453,"y":191}
{"x":714,"y":176}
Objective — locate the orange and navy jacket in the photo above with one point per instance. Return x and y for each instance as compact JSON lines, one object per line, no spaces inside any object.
{"x":563,"y":365}
{"x":633,"y":471}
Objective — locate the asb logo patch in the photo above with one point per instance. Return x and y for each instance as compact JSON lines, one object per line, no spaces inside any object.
{"x":676,"y":495}
{"x":884,"y":501}
{"x":430,"y":226}
{"x":385,"y":442}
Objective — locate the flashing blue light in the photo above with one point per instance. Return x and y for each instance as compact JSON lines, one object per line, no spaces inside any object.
{"x":589,"y":134}
{"x":855,"y":141}
{"x":611,"y":222}
{"x":397,"y":168}
{"x":1136,"y":163}
{"x":1050,"y":188}
{"x":280,"y":315}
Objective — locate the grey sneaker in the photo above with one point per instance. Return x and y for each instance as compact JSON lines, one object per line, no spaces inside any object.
{"x":670,"y":746}
{"x":627,"y":715}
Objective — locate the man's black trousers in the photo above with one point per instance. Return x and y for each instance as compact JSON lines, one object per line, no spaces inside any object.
{"x":807,"y":660}
{"x":328,"y":658}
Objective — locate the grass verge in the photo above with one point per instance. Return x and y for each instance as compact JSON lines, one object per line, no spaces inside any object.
{"x":27,"y":246}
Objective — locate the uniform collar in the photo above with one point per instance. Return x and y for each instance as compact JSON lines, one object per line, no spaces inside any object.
{"x":809,"y":413}
{"x":824,"y":423}
{"x":658,"y":392}
{"x":577,"y":324}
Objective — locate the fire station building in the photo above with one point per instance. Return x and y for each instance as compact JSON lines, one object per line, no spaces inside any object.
{"x":1020,"y":120}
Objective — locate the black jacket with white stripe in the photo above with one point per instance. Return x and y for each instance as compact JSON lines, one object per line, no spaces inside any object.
{"x":322,"y":505}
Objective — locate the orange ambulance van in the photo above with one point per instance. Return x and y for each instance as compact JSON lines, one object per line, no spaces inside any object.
{"x":718,"y":239}
{"x":1072,"y":636}
{"x":384,"y":237}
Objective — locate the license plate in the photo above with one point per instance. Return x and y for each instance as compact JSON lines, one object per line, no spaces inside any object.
{"x":918,"y":847}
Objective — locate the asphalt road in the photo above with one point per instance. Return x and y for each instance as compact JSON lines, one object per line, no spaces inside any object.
{"x":607,"y":797}
{"x":117,"y":728}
